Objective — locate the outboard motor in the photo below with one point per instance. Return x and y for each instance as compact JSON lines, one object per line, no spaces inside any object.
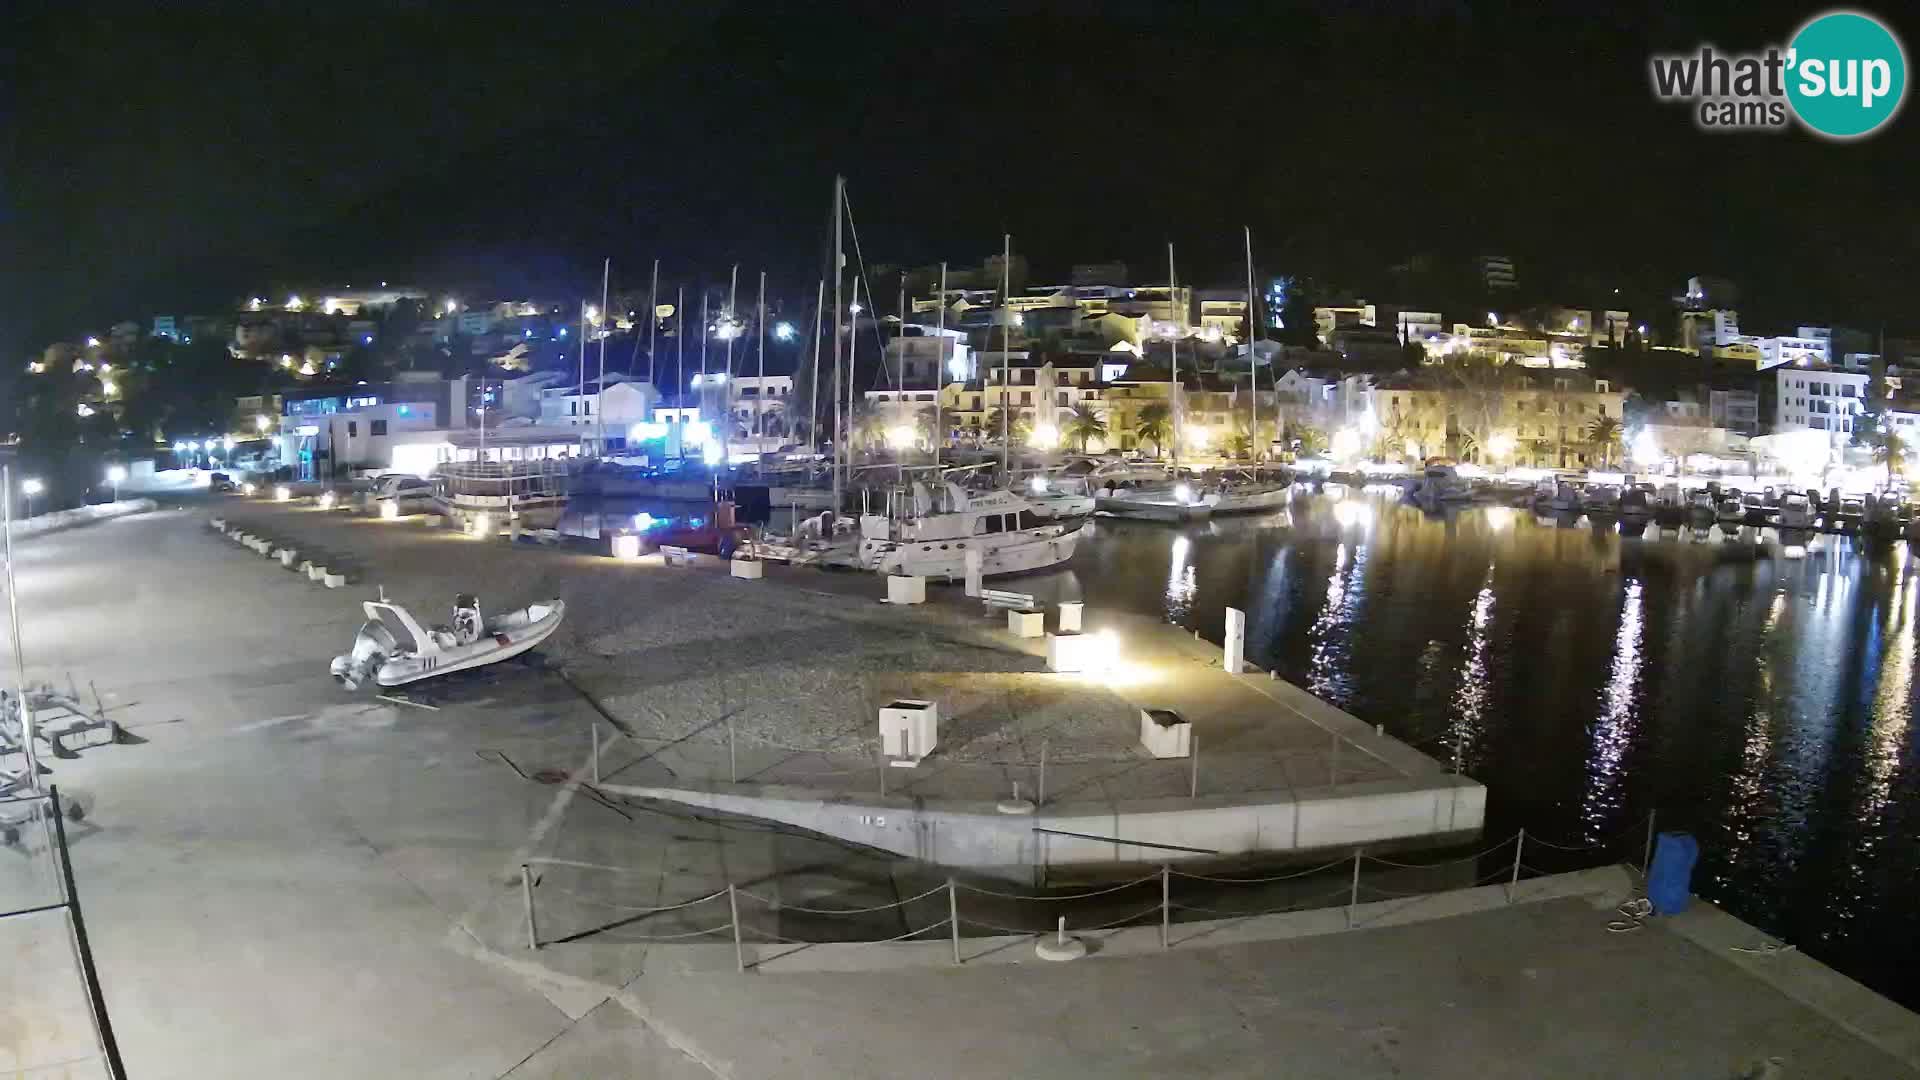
{"x":371,"y":647}
{"x":467,"y":624}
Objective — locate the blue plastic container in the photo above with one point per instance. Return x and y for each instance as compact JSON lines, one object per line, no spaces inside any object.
{"x":1670,"y":880}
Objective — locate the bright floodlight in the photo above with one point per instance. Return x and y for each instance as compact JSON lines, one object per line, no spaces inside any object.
{"x":1182,"y":493}
{"x":712,"y":452}
{"x":1044,"y":437}
{"x":93,"y":343}
{"x":452,"y":305}
{"x":783,"y":331}
{"x":32,"y":486}
{"x":260,"y":422}
{"x":1038,"y":485}
{"x":626,"y":546}
{"x":389,"y":510}
{"x":194,"y":446}
{"x":108,"y":388}
{"x":294,"y":303}
{"x":1500,"y":445}
{"x":116,"y":474}
{"x":855,"y":309}
{"x":227,"y":442}
{"x":900,"y":436}
{"x":179,"y":447}
{"x":282,"y":493}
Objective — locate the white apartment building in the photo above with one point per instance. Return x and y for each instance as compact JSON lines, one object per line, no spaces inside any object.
{"x":1794,"y":349}
{"x":1418,"y":326}
{"x":617,"y":407}
{"x":756,"y":396}
{"x":1819,"y":399}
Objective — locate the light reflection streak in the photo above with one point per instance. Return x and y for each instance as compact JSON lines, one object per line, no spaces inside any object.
{"x":1747,"y":791}
{"x":1330,"y":676}
{"x":1613,"y":730}
{"x":1470,"y":701}
{"x":1182,"y":581}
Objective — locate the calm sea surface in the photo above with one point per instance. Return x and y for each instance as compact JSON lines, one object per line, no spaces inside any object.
{"x":1752,"y":688}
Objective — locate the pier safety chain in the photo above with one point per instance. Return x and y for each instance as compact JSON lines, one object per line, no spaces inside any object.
{"x":1350,"y":895}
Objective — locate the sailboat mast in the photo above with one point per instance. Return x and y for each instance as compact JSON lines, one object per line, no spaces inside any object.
{"x":733,"y":331}
{"x":853,"y":363}
{"x":1006,"y":358}
{"x":839,"y":264}
{"x":940,"y":368}
{"x":700,"y":399}
{"x":1173,"y":381}
{"x":599,"y":395}
{"x":813,"y":414}
{"x":680,"y":359}
{"x":653,"y":321}
{"x":1253,"y":362}
{"x":581,"y":390}
{"x":900,"y":367}
{"x":760,"y":395}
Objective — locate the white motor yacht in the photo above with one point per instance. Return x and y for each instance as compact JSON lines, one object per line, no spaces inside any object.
{"x":928,"y":533}
{"x":1441,"y":482}
{"x":1059,"y":497}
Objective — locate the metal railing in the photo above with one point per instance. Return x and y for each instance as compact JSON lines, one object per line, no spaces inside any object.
{"x":34,"y":826}
{"x":1362,"y":879}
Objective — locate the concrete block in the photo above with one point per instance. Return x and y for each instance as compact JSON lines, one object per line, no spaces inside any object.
{"x":334,"y":581}
{"x":1070,"y":616}
{"x":315,"y":573}
{"x":1027,"y":624}
{"x":975,"y":575}
{"x":1165,"y":733}
{"x":217,"y":523}
{"x":1234,"y":643}
{"x":286,"y":557}
{"x":305,"y":567}
{"x":749,"y":569}
{"x":626,"y":546}
{"x":1071,"y":652}
{"x":906,"y":589}
{"x":909,"y":730}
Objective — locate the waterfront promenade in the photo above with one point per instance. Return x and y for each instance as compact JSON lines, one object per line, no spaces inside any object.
{"x":289,"y":881}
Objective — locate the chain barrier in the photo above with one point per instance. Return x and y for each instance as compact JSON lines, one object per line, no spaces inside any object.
{"x":1356,"y":891}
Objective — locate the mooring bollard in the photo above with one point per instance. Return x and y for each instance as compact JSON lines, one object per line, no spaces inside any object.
{"x":526,"y":893}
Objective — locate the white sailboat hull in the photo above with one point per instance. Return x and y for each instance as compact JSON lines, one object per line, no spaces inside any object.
{"x":1154,"y":504}
{"x":1252,"y":500}
{"x":1006,"y":553}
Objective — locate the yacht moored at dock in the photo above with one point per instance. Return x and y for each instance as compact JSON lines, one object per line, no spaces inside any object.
{"x":929,"y":533}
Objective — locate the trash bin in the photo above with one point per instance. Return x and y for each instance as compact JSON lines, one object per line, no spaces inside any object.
{"x":1670,"y":879}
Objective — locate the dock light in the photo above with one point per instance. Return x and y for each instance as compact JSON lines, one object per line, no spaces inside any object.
{"x":194,"y":446}
{"x":452,"y":305}
{"x":116,"y":474}
{"x":93,"y":343}
{"x":1044,"y":437}
{"x":1037,"y":485}
{"x":1183,"y":492}
{"x":390,"y":510}
{"x":644,"y":521}
{"x":227,"y":442}
{"x":783,"y":331}
{"x":282,"y":493}
{"x":1500,"y":445}
{"x":626,"y":546}
{"x":712,"y":452}
{"x":32,"y":486}
{"x":247,"y":488}
{"x":326,"y":500}
{"x":180,"y":447}
{"x":260,"y":422}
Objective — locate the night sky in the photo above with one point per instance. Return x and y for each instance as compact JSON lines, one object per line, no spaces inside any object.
{"x":166,"y":161}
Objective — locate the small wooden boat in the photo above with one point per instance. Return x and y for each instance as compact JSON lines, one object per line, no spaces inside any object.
{"x":392,"y":648}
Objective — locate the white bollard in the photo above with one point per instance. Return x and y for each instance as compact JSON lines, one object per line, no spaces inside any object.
{"x":749,"y":569}
{"x":906,"y":589}
{"x":1070,"y":616}
{"x":334,"y":581}
{"x":1235,"y":645}
{"x":975,"y":574}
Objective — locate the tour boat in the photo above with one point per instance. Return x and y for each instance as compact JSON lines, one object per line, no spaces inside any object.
{"x":490,"y":494}
{"x":1796,"y":512}
{"x":1249,"y":493}
{"x":1178,"y":501}
{"x":392,"y":648}
{"x":1061,"y":498}
{"x":928,"y":533}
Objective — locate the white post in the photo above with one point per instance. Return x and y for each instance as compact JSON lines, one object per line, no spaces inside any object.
{"x":526,"y":896}
{"x":975,"y":563}
{"x":1353,"y":891}
{"x":1513,"y":883}
{"x":733,"y":762}
{"x":1040,"y":797}
{"x":733,"y":909}
{"x":953,"y":918}
{"x":1234,"y":659}
{"x":1193,"y":756}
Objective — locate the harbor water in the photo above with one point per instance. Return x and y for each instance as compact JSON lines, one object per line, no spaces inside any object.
{"x":1753,"y":689}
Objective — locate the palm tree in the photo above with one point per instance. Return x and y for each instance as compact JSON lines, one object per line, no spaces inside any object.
{"x":1016,"y":430}
{"x":1085,"y":425}
{"x":1312,"y":440}
{"x":1605,"y":431}
{"x":1154,"y":425}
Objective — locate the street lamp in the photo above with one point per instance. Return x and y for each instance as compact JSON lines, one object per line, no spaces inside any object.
{"x":783,"y":331}
{"x":260,"y":423}
{"x":31,"y":486}
{"x":114,"y":476}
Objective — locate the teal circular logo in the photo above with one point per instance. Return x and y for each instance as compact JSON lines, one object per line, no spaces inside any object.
{"x":1847,"y":74}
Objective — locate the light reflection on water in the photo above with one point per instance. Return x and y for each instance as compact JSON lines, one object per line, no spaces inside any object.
{"x":1755,"y":689}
